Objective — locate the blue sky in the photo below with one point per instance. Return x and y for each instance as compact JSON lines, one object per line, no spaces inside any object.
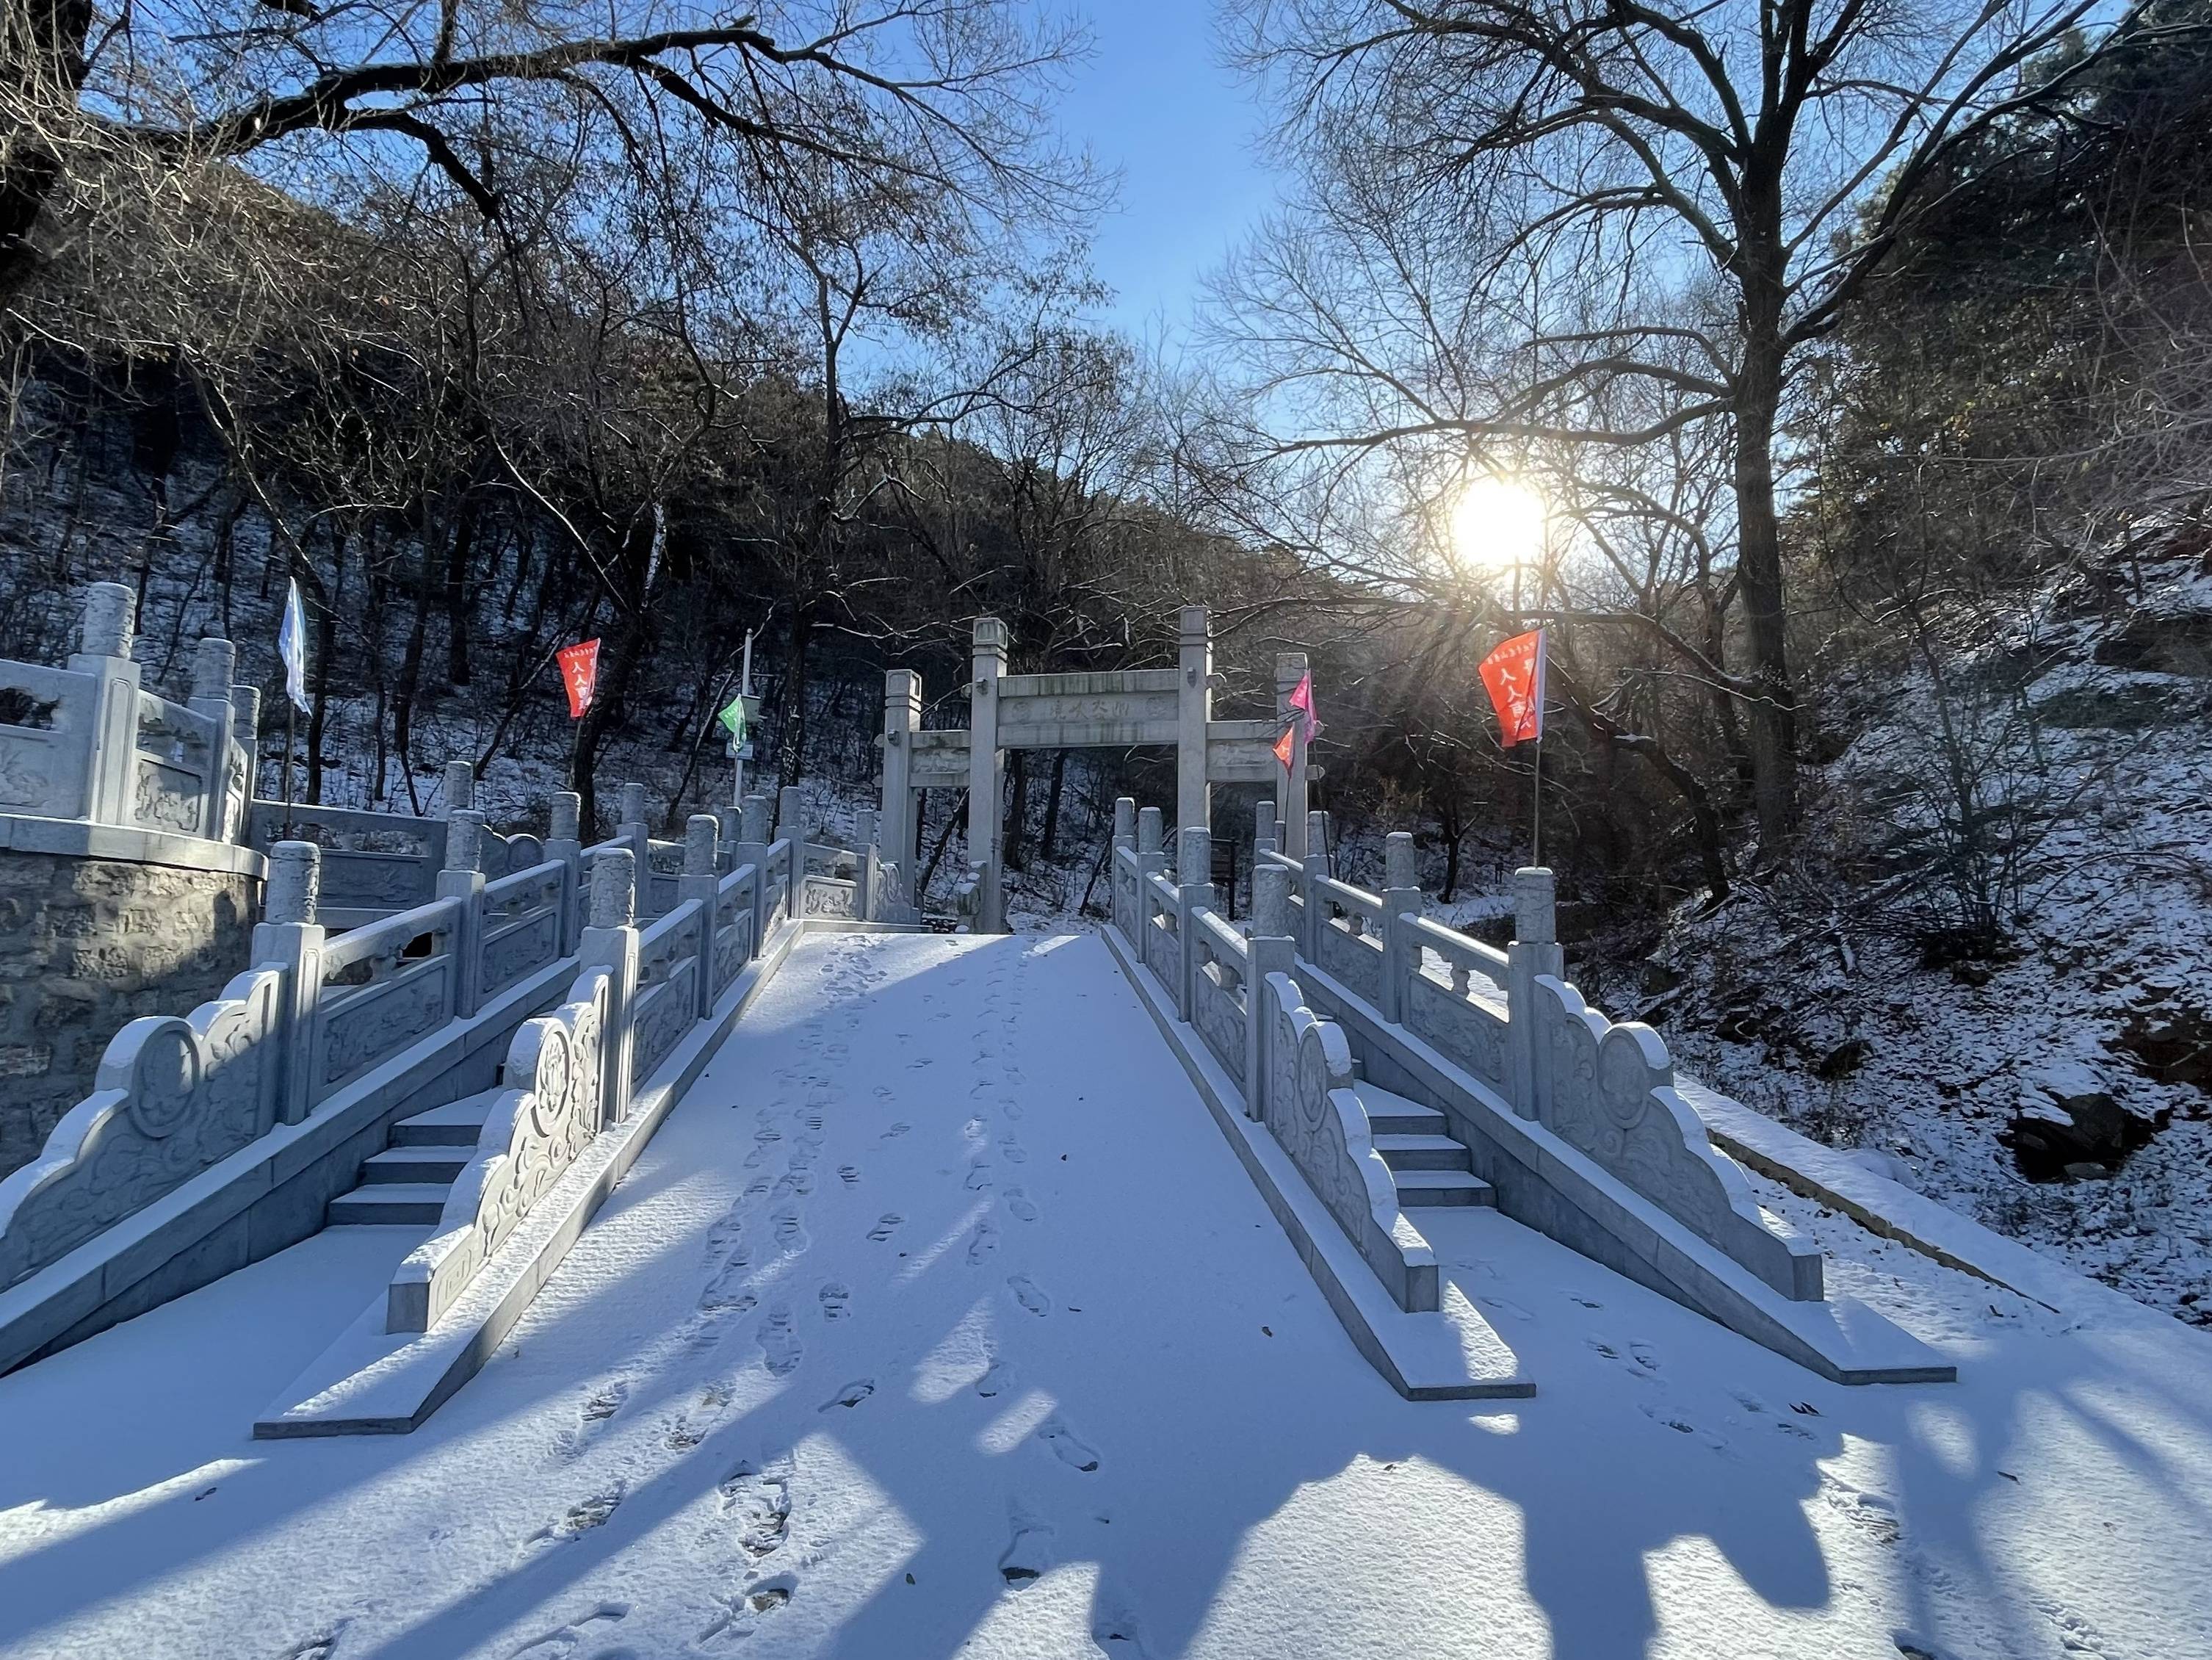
{"x":1155,"y":102}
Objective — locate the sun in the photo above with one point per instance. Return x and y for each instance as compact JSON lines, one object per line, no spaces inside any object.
{"x":1496,"y":523}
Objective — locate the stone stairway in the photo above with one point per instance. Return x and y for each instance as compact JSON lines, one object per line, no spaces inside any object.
{"x":406,"y":1184}
{"x":1430,"y":1168}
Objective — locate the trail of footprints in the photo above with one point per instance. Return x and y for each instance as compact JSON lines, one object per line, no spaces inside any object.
{"x":745,"y":1244}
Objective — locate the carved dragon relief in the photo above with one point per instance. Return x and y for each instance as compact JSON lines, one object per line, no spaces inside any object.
{"x":547,"y":1116}
{"x":172,"y":1098}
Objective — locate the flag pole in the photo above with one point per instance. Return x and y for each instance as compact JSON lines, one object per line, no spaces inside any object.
{"x":291,"y":729}
{"x":1536,"y":808}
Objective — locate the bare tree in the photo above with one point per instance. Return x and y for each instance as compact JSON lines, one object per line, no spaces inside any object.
{"x":1514,"y":208}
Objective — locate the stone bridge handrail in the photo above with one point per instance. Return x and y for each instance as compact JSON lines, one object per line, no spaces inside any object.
{"x":1461,"y":954}
{"x":43,"y":765}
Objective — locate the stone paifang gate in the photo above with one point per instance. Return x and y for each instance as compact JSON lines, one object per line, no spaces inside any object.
{"x":1116,"y":709}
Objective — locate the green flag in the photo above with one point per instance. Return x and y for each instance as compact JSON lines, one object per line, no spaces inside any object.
{"x":733,"y":717}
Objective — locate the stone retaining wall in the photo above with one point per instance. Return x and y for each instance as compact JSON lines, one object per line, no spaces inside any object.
{"x":88,"y":944}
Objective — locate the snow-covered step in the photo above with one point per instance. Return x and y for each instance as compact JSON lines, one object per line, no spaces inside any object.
{"x":1403,"y":1153}
{"x":416,"y":1165}
{"x":416,"y":1203}
{"x":1391,"y":1113}
{"x":456,"y":1124}
{"x":1429,"y":1188}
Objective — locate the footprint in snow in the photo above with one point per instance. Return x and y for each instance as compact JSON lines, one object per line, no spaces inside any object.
{"x":1021,"y":1205}
{"x":1012,"y":1151}
{"x":886,"y":1225}
{"x":689,"y":1430}
{"x":1644,"y":1356}
{"x":1506,"y":1305}
{"x":849,"y":1174}
{"x":979,"y":1177}
{"x":895,"y":1129}
{"x":985,"y":1243}
{"x":780,"y":1347}
{"x":851,"y":1395}
{"x":757,"y":1502}
{"x":1027,"y":1295}
{"x":837,"y":1300}
{"x":1028,"y":1554}
{"x":996,"y":1380}
{"x":580,"y":1518}
{"x":554,"y":1644}
{"x":790,"y":1234}
{"x":726,"y":1293}
{"x":1068,"y":1447}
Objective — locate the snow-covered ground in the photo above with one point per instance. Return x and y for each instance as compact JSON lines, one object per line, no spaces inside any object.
{"x":939,"y":1320}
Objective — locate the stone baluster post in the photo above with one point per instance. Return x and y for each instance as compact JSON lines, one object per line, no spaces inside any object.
{"x":212,"y":664}
{"x":1125,"y":840}
{"x":289,"y":938}
{"x":462,"y":879}
{"x":246,"y":753}
{"x":1194,"y":708}
{"x":564,"y":843}
{"x":460,"y":787}
{"x":1194,"y":893}
{"x":1402,"y":899}
{"x":1151,"y":830}
{"x":111,"y":778}
{"x":609,"y":942}
{"x":1316,"y":870}
{"x":1535,"y":952}
{"x":986,"y":771}
{"x":1291,"y":788}
{"x":630,"y":827}
{"x":864,"y":878}
{"x":902,"y":720}
{"x":701,"y":831}
{"x":1271,"y":949}
{"x":1263,"y":831}
{"x":752,"y":850}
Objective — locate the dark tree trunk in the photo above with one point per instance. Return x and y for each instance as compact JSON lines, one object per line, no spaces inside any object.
{"x":326,"y":642}
{"x":458,"y":553}
{"x":1772,"y":716}
{"x":1017,"y":812}
{"x":51,"y":44}
{"x":410,"y":676}
{"x":616,"y":669}
{"x":1052,"y":805}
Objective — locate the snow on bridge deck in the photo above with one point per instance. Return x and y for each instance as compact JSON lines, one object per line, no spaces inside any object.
{"x":940,"y":1320}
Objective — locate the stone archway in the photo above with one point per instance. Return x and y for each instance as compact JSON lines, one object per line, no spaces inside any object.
{"x":1115,"y":709}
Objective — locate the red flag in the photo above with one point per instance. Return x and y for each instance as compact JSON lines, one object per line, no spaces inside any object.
{"x":1283,"y":745}
{"x":1515,"y":675}
{"x":580,"y":673}
{"x":1301,"y":700}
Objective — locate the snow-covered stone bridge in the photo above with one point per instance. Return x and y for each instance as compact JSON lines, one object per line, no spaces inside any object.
{"x":941,"y":1318}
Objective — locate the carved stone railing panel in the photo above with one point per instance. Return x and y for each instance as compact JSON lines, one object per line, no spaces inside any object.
{"x":661,"y":1015}
{"x":1357,"y":962}
{"x":733,"y":926}
{"x":1217,"y":990}
{"x":1464,"y":1030}
{"x":1308,"y":1104}
{"x":547,"y":1116}
{"x":521,"y":925}
{"x":827,"y":897}
{"x":47,"y":718}
{"x":174,"y":1097}
{"x":383,"y":985}
{"x":1609,"y":1090}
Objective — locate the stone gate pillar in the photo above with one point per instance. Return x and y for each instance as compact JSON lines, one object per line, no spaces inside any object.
{"x":986,"y":766}
{"x":104,"y":653}
{"x":902,"y":720}
{"x":1194,"y":708}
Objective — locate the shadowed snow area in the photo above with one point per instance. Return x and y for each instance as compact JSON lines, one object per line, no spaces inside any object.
{"x":939,"y":1320}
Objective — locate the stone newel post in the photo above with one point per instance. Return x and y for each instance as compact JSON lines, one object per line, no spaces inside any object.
{"x":462,"y":880}
{"x":245,"y":756}
{"x":752,"y":850}
{"x":1401,"y":903}
{"x":460,"y":786}
{"x":987,"y":772}
{"x":630,"y":827}
{"x":212,"y":664}
{"x":562,"y":842}
{"x":1263,"y":831}
{"x":104,"y":653}
{"x":866,"y":878}
{"x":1273,"y":950}
{"x":1535,"y":952}
{"x":289,"y":938}
{"x":609,"y":942}
{"x":1194,"y":893}
{"x":1194,"y":708}
{"x":1316,"y":870}
{"x":702,"y":836}
{"x":902,"y":720}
